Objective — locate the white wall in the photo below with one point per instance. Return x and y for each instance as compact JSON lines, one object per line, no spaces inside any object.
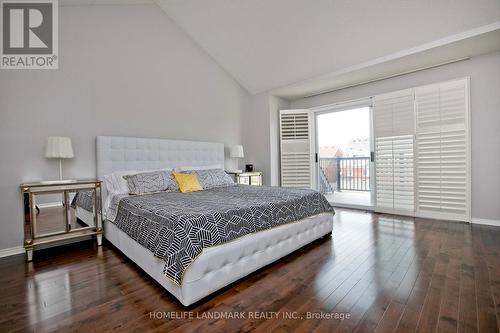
{"x":275,"y":105}
{"x":256,"y":139}
{"x":484,"y":72}
{"x":123,"y":70}
{"x":261,"y":135}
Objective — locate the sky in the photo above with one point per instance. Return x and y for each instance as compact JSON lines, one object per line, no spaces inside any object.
{"x":337,"y":128}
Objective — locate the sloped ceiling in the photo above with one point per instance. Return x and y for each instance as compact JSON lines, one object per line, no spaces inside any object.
{"x":267,"y":44}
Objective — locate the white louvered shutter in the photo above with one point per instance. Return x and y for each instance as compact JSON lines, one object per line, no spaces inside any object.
{"x":394,"y":126}
{"x":295,"y":139}
{"x":443,"y":156}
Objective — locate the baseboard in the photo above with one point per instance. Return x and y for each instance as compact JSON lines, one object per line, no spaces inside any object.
{"x":358,"y":207}
{"x":11,"y":251}
{"x":495,"y":223}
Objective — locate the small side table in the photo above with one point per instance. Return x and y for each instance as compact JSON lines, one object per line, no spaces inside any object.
{"x":58,"y":211}
{"x":249,"y":178}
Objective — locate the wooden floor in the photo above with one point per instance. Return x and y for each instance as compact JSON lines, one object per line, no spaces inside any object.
{"x":380,"y":273}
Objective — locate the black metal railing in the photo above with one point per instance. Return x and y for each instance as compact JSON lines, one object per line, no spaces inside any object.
{"x":346,"y":173}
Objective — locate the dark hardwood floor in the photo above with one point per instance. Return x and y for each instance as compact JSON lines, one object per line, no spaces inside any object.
{"x":380,"y":273}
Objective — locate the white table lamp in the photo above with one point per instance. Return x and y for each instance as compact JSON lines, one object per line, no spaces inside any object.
{"x":59,"y":147}
{"x":236,"y":152}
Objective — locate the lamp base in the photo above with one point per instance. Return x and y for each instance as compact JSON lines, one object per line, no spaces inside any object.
{"x":62,"y":181}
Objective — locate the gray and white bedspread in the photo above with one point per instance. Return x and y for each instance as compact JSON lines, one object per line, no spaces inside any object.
{"x":178,"y":226}
{"x":84,"y":199}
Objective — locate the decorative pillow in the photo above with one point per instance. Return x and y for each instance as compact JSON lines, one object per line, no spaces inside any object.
{"x":214,"y":178}
{"x":188,"y":182}
{"x":119,"y":184}
{"x":148,"y":182}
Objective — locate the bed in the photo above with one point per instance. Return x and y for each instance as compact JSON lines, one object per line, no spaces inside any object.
{"x":200,"y":264}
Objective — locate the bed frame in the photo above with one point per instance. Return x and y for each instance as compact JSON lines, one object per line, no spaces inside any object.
{"x":217,"y":266}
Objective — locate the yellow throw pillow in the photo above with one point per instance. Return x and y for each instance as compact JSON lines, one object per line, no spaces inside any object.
{"x":188,"y":182}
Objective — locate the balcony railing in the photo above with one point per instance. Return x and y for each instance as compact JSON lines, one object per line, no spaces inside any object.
{"x":344,"y":173}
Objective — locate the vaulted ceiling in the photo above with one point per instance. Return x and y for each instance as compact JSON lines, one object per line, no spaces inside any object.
{"x":267,"y":44}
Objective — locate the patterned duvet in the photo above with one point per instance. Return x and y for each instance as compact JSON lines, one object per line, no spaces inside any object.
{"x":84,"y":199}
{"x":176,"y":226}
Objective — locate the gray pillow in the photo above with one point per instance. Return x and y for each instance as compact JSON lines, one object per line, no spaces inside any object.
{"x":149,"y":182}
{"x":214,"y":178}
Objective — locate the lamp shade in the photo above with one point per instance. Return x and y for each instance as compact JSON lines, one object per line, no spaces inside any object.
{"x":59,"y":147}
{"x":237,"y":151}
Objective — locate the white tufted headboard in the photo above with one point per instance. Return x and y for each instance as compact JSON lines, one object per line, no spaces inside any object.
{"x":125,"y":153}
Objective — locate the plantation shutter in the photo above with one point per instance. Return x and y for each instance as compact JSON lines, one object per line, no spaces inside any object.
{"x":394,"y":126}
{"x":295,"y":140}
{"x":442,"y":150}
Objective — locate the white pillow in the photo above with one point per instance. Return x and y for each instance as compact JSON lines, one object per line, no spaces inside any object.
{"x":119,"y":183}
{"x":108,"y":181}
{"x":194,"y":168}
{"x":107,"y":202}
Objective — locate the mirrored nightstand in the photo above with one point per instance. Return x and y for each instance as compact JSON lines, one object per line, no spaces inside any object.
{"x":249,"y":178}
{"x":58,"y":211}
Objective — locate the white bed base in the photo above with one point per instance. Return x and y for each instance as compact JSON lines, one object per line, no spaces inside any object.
{"x":217,"y":266}
{"x":86,"y":216}
{"x":221,"y":265}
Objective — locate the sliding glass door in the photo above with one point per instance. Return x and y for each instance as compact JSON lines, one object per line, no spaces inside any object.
{"x":344,"y":171}
{"x":410,"y":147}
